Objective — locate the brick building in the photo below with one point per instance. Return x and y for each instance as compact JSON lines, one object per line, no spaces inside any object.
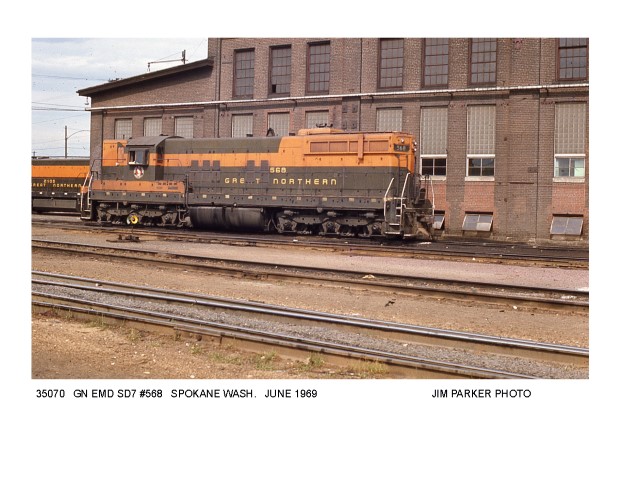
{"x":502,"y":124}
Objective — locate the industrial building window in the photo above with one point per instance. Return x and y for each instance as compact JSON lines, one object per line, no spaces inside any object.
{"x":244,"y":73}
{"x":389,"y":120}
{"x":434,"y":141}
{"x":573,"y":58}
{"x":242,"y":125}
{"x":439,"y":220}
{"x":483,"y":60}
{"x":183,"y":127}
{"x":280,"y":123}
{"x":152,"y":127}
{"x":477,"y":222}
{"x":391,"y":64}
{"x":436,"y":62}
{"x":122,"y":129}
{"x":318,"y":68}
{"x":434,"y":166}
{"x":281,"y":70}
{"x":316,"y":119}
{"x":564,"y":225}
{"x":570,"y":139}
{"x":480,"y":141}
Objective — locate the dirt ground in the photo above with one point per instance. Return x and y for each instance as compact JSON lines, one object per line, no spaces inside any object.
{"x":63,"y":348}
{"x":67,"y":349}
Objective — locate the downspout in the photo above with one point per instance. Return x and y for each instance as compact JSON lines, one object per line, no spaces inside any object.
{"x":539,"y":116}
{"x":218,"y":88}
{"x":360,"y":89}
{"x":100,"y":170}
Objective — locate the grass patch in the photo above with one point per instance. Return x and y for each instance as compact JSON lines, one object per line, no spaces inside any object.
{"x":134,"y":335}
{"x":264,"y":361}
{"x":98,"y":323}
{"x":197,"y":349}
{"x":369,"y":369}
{"x":314,"y":362}
{"x":226,"y":357}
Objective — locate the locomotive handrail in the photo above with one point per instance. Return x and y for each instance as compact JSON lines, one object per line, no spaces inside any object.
{"x":86,"y":193}
{"x":408,"y":174}
{"x":385,"y":198}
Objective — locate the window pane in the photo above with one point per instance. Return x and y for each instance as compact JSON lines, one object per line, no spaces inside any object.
{"x":439,"y":219}
{"x":488,"y":167}
{"x":427,"y":166}
{"x":579,"y":167}
{"x":440,"y":166}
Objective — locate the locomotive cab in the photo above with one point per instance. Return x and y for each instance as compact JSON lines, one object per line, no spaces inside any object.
{"x":138,"y":156}
{"x":140,"y":149}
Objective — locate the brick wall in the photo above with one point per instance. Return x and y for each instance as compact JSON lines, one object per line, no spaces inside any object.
{"x":523,"y":196}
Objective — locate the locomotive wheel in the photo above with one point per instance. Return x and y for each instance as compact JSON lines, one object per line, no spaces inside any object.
{"x":133,"y":219}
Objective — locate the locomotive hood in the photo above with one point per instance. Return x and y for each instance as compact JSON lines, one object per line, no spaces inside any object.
{"x":147,"y":142}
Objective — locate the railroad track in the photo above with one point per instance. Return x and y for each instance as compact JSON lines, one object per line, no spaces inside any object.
{"x":503,"y":294}
{"x":453,"y":250}
{"x":84,"y":297}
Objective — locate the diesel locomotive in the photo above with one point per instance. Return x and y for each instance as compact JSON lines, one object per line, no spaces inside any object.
{"x":57,"y":183}
{"x":320,"y":181}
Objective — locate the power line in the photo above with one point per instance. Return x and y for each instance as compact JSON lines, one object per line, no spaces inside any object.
{"x":54,"y":104}
{"x":61,"y":118}
{"x":49,"y":109}
{"x":70,"y":78}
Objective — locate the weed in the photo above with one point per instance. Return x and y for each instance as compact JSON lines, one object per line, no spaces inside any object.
{"x":369,"y":369}
{"x":315,"y":361}
{"x":228,"y":358}
{"x":134,"y":335}
{"x":264,"y":361}
{"x":197,"y":349}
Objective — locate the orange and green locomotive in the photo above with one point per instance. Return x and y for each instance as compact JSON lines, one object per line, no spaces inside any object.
{"x":57,"y":183}
{"x":321,"y":181}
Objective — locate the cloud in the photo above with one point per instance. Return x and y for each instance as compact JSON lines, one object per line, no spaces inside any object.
{"x":62,"y":66}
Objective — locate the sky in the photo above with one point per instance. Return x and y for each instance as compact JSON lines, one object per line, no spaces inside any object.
{"x":62,"y":66}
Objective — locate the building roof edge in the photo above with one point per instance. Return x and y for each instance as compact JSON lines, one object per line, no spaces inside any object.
{"x":114,"y":84}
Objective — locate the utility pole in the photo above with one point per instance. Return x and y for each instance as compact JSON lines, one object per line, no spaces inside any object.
{"x":66,"y":137}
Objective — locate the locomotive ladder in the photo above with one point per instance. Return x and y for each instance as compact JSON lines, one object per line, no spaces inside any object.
{"x":85,"y":210}
{"x":393,"y":216}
